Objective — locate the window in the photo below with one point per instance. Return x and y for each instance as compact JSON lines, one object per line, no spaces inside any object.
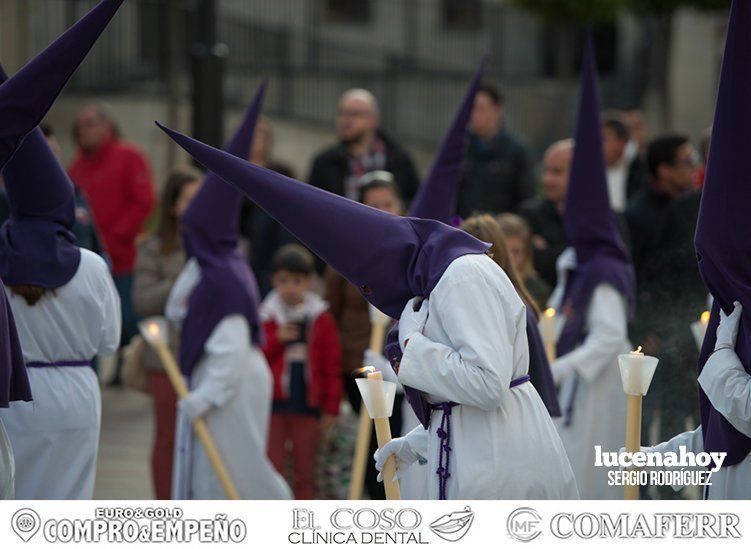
{"x":348,"y":11}
{"x":462,"y":14}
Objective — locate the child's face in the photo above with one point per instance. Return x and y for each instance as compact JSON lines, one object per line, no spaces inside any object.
{"x":291,"y":287}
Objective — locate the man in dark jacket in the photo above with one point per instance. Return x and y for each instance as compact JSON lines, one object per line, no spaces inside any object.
{"x":363,"y":147}
{"x":498,"y":174}
{"x":544,"y":214}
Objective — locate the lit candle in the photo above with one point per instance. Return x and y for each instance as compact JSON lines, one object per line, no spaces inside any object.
{"x":548,"y":332}
{"x":637,"y":370}
{"x":699,"y":329}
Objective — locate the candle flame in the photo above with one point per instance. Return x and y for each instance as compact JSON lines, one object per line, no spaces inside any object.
{"x":363,"y":371}
{"x":550,"y":312}
{"x":153,"y":329}
{"x":638,"y":350}
{"x":704,"y":317}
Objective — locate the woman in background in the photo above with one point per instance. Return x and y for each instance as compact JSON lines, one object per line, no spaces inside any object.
{"x":518,"y":239}
{"x":159,"y":260}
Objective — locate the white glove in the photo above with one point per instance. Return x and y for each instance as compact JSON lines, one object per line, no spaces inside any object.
{"x":381,"y":364}
{"x":193,"y":406}
{"x":727,"y":331}
{"x":411,"y":321}
{"x":561,"y":369}
{"x":402,"y":451}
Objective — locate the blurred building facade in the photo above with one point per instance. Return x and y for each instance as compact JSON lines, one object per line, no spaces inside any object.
{"x":416,"y":55}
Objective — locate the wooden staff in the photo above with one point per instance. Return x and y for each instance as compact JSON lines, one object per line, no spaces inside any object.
{"x":365,"y":426}
{"x":633,"y":437}
{"x":548,"y":333}
{"x":383,"y":435}
{"x":199,"y":424}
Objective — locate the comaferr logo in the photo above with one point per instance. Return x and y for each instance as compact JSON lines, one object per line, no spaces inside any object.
{"x":453,"y":526}
{"x":524,"y":524}
{"x":646,"y":526}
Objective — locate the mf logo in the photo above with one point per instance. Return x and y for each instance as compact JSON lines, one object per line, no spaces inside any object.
{"x":524,"y":524}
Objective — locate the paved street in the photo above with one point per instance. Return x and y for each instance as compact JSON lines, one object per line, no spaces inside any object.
{"x":123,"y":470}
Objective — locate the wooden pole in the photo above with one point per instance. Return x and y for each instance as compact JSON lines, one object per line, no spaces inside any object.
{"x":365,"y":426}
{"x":383,"y":435}
{"x":633,"y":437}
{"x":199,"y":425}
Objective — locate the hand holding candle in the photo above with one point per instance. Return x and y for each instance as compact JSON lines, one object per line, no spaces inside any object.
{"x":154,"y":331}
{"x":637,"y":370}
{"x":378,"y":397}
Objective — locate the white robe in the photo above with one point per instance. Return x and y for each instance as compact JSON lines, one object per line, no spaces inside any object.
{"x":599,"y":404}
{"x":504,"y":444}
{"x":234,"y":377}
{"x":56,"y":436}
{"x":729,"y":390}
{"x":7,"y":466}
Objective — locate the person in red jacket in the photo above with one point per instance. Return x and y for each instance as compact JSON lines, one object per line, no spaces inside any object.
{"x":302,"y":348}
{"x":116,"y":178}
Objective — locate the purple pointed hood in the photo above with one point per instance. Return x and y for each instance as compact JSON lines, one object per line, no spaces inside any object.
{"x":389,"y":258}
{"x":26,"y":98}
{"x":37,"y":246}
{"x":589,"y":221}
{"x":438,"y":194}
{"x":723,"y":231}
{"x":211,"y":233}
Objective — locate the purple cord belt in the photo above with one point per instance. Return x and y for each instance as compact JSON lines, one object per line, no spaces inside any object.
{"x":60,"y":363}
{"x":444,"y":433}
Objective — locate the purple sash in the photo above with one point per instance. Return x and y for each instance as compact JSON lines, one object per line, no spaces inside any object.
{"x":59,"y":363}
{"x":444,"y":433}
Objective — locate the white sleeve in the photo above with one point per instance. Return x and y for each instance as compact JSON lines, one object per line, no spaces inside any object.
{"x":691,"y":440}
{"x":225,"y":353}
{"x":476,"y":369}
{"x":111,"y":320}
{"x":177,"y":303}
{"x":606,"y":326}
{"x":728,"y":387}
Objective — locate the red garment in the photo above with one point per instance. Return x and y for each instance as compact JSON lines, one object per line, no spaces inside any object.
{"x":165,"y":416}
{"x":303,"y":431}
{"x":118,"y":183}
{"x":324,"y":363}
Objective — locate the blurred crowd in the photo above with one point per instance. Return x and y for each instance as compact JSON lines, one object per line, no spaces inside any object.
{"x":654,"y":185}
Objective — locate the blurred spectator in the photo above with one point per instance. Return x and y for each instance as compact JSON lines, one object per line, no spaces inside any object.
{"x":518,"y":239}
{"x":116,"y":178}
{"x":625,"y":167}
{"x":351,"y":312}
{"x":672,"y":163}
{"x":87,"y":235}
{"x":363,"y":147}
{"x":159,"y":260}
{"x":544,"y":214}
{"x":302,"y":348}
{"x":498,"y":174}
{"x":706,"y":137}
{"x":265,"y":235}
{"x":638,"y":126}
{"x":671,"y":294}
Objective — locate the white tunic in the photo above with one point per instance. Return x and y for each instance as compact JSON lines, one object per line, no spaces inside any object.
{"x":55,"y":437}
{"x":234,"y":377}
{"x":728,"y":388}
{"x":504,"y":444}
{"x":599,"y":403}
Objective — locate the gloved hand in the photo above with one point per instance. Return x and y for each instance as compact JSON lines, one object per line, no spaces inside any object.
{"x":193,"y":406}
{"x":381,"y":364}
{"x":561,"y":369}
{"x":411,"y":321}
{"x":402,"y":451}
{"x":727,"y":331}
